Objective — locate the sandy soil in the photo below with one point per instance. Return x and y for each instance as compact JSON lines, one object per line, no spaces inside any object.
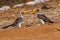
{"x":44,"y":32}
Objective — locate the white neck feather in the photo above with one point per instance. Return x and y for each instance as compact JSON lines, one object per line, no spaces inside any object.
{"x":20,"y":15}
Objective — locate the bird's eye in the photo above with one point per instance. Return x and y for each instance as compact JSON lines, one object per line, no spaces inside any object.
{"x":22,"y":13}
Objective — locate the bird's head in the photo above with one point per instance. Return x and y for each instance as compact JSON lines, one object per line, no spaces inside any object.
{"x":21,"y":14}
{"x":39,"y":11}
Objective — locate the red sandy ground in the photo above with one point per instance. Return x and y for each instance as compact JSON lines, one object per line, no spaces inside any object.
{"x":44,"y":32}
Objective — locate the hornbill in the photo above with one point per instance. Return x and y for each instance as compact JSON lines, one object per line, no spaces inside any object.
{"x":18,"y":21}
{"x":43,"y":18}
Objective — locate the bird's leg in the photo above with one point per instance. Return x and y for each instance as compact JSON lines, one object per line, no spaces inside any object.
{"x":42,"y":21}
{"x":20,"y":24}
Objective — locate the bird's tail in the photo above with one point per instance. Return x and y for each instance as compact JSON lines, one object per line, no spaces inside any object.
{"x":51,"y":22}
{"x":8,"y":26}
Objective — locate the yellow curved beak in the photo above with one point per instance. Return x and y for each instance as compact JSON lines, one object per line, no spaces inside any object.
{"x":26,"y":12}
{"x":34,"y":11}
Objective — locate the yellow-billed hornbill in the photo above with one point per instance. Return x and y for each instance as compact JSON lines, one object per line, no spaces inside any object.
{"x":42,"y":17}
{"x":18,"y":21}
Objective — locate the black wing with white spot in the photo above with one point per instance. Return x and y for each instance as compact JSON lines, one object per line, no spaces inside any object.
{"x":44,"y":18}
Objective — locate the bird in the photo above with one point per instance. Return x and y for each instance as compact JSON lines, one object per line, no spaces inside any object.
{"x":43,"y":18}
{"x":18,"y":21}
